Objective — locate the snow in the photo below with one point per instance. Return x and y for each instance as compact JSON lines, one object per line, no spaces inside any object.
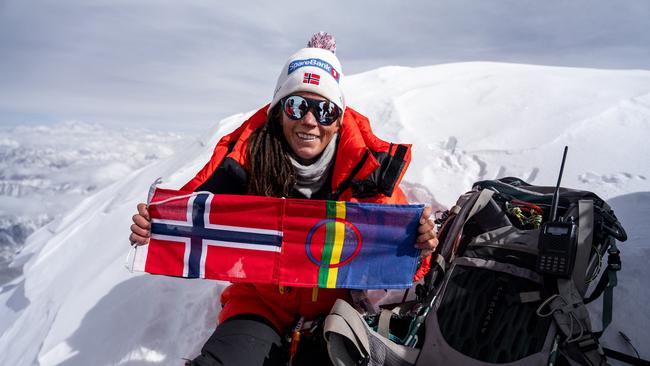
{"x":76,"y":304}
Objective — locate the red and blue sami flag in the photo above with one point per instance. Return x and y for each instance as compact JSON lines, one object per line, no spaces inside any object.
{"x":289,"y":242}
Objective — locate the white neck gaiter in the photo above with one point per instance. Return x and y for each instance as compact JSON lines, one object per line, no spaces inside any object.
{"x":310,"y":178}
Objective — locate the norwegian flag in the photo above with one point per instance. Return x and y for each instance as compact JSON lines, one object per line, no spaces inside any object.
{"x":190,"y":238}
{"x":289,"y":242}
{"x":311,"y":78}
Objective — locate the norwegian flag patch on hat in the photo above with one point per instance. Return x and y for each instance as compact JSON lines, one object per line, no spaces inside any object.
{"x":320,"y":72}
{"x":311,"y":78}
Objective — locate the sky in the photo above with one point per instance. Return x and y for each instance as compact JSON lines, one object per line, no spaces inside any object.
{"x":183,"y":66}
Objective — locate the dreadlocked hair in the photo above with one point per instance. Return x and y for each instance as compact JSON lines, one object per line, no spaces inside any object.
{"x":271,"y":172}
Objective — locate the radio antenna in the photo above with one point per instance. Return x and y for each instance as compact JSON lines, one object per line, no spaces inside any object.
{"x":556,"y":194}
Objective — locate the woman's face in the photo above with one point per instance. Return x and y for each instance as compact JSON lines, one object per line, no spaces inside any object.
{"x":306,"y":137}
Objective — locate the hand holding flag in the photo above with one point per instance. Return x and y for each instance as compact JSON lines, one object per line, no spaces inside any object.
{"x":141,"y":227}
{"x":427,"y":240}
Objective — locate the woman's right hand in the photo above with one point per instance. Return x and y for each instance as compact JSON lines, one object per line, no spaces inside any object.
{"x":141,"y":228}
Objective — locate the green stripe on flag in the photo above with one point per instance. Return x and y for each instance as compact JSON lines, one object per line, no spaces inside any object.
{"x":328,"y":246}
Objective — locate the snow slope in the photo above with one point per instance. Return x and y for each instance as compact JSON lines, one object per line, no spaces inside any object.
{"x":77,"y":305}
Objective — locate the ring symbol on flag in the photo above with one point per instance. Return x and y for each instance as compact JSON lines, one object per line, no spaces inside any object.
{"x":349,"y":228}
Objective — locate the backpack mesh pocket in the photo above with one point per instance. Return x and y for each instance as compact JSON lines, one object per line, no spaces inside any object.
{"x":481,"y":315}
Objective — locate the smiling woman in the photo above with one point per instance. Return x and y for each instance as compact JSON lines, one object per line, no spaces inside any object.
{"x":305,"y":144}
{"x":307,"y":134}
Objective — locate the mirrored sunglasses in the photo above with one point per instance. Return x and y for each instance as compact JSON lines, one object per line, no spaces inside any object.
{"x":296,"y":107}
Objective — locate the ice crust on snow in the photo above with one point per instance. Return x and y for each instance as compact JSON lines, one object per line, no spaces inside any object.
{"x":77,"y":305}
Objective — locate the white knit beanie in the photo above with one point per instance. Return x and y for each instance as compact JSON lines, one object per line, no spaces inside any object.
{"x":314,"y":69}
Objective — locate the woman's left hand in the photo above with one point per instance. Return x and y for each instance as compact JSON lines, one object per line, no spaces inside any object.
{"x":427,"y":239}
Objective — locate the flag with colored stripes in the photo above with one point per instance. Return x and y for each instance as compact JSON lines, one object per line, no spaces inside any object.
{"x":290,"y":242}
{"x":352,"y":245}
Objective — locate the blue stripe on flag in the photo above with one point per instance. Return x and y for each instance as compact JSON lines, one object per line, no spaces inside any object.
{"x":194,"y":261}
{"x":216,"y":234}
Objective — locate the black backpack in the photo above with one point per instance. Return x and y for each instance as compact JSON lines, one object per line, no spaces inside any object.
{"x":485,"y":302}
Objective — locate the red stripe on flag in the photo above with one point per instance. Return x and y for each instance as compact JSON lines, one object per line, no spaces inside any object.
{"x":296,"y":268}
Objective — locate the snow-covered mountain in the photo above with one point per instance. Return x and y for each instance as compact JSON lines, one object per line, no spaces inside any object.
{"x":46,"y":170}
{"x":76,"y":304}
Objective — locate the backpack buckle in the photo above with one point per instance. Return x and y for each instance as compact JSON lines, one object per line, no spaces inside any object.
{"x":587,"y":343}
{"x":614,"y":259}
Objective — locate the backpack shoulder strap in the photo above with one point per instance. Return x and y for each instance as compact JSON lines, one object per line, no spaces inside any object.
{"x":585,"y":240}
{"x":351,"y":342}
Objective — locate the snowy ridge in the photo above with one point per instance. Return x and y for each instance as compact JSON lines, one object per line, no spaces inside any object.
{"x":77,"y":305}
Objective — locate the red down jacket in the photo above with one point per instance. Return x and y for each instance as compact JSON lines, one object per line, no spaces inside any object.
{"x":366,"y":169}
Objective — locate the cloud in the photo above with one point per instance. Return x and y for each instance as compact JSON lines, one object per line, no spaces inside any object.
{"x":187,"y":64}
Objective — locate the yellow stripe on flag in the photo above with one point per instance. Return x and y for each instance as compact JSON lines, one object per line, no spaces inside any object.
{"x":339,"y":238}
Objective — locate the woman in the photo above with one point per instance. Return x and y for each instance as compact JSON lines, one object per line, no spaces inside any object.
{"x":305,"y":144}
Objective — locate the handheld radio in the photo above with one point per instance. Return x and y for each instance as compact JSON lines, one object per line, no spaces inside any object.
{"x":557,"y":239}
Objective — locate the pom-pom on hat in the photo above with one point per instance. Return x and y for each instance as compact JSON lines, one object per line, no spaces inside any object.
{"x":323,"y":40}
{"x":314,"y":69}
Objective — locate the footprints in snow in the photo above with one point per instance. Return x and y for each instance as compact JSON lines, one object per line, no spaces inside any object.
{"x":615,"y":178}
{"x":476,"y":166}
{"x":480,"y":166}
